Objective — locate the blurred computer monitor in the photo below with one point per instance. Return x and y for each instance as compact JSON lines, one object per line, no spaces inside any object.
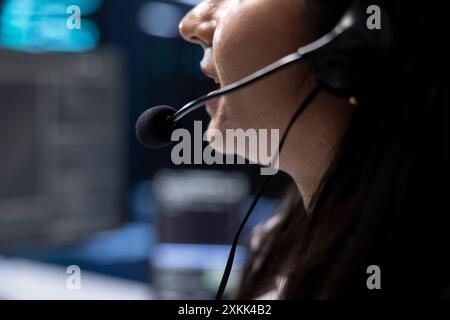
{"x":199,"y":214}
{"x":61,"y":145}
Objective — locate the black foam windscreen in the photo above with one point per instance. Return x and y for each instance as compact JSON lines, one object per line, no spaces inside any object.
{"x":154,"y":127}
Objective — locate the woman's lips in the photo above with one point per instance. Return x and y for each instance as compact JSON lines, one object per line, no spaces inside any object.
{"x":208,"y":69}
{"x":210,"y":74}
{"x":211,"y":106}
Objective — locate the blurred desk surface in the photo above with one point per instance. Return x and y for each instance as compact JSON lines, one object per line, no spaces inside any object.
{"x":24,"y":279}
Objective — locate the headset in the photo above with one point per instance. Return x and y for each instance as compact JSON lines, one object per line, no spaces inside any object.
{"x":344,"y":60}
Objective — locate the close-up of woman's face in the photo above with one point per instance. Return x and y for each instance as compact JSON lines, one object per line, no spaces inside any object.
{"x":240,"y":37}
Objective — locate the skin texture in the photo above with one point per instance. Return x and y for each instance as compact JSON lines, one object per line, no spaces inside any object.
{"x":241,"y":36}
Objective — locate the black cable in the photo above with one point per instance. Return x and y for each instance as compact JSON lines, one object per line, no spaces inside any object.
{"x":226,"y":274}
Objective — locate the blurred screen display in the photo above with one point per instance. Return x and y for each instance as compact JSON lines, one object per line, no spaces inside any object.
{"x":61,"y":166}
{"x":18,"y":118}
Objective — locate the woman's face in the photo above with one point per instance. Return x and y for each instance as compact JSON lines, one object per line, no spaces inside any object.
{"x":240,"y":37}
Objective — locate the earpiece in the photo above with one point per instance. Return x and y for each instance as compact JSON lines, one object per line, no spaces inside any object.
{"x":347,"y":65}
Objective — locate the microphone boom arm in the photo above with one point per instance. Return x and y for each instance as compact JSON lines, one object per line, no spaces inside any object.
{"x":283,"y":62}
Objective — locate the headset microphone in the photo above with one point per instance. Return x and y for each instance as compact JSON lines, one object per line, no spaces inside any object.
{"x":341,"y":59}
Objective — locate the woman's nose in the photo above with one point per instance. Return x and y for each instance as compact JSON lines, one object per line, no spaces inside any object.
{"x":199,"y":25}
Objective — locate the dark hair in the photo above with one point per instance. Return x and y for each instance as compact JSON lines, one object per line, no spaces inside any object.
{"x":385,"y":202}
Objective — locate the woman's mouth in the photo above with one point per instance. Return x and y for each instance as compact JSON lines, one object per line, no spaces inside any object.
{"x":210,"y":74}
{"x":208,"y":68}
{"x":211,"y":106}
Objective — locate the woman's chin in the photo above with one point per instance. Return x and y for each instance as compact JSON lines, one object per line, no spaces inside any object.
{"x":218,"y":141}
{"x":215,"y":136}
